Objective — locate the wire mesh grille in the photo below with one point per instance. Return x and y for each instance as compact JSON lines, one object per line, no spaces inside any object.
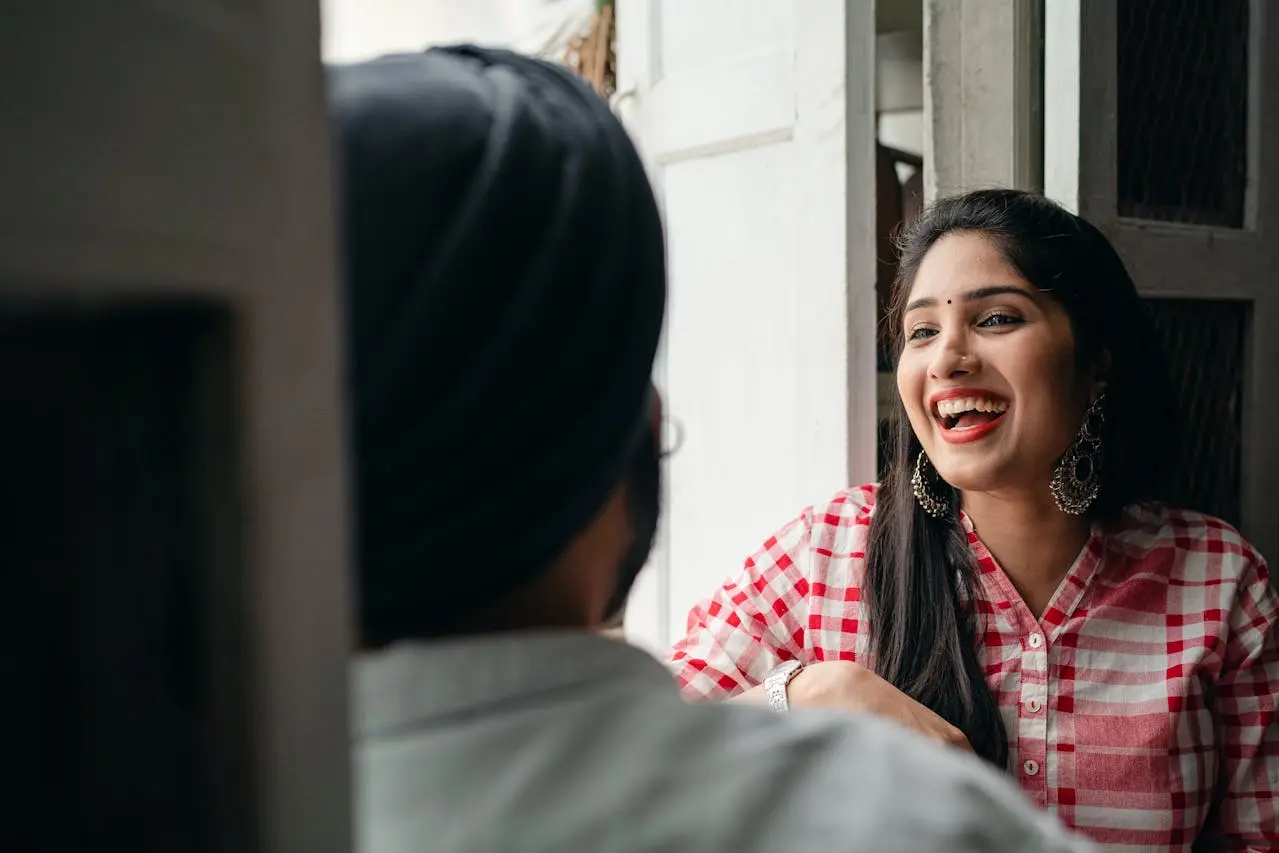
{"x":1183,"y":110}
{"x":1203,"y":341}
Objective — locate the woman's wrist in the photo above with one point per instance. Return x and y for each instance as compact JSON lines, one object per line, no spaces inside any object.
{"x":777,"y":684}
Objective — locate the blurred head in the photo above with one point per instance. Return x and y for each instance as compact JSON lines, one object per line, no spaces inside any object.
{"x":505,"y":284}
{"x":1011,"y":317}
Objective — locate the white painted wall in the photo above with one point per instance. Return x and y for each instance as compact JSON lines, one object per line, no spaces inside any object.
{"x":362,"y":29}
{"x":1063,"y":55}
{"x":757,"y":120}
{"x":899,"y":89}
{"x":903,"y":129}
{"x":899,"y":71}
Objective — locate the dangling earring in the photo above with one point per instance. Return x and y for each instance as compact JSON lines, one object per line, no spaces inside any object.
{"x":933,"y":505}
{"x":1077,"y":476}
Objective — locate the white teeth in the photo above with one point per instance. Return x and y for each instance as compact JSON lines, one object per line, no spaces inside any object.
{"x":953,"y":408}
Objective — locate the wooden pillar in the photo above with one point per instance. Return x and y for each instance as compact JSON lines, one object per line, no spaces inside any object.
{"x":983,"y":124}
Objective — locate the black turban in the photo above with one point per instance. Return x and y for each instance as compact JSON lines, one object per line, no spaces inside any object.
{"x":505,"y":285}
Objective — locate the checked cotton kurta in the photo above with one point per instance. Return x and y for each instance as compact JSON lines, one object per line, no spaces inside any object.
{"x":1140,"y":707}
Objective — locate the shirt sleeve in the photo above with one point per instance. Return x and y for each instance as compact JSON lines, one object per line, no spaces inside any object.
{"x":752,"y":623}
{"x":1248,"y":727}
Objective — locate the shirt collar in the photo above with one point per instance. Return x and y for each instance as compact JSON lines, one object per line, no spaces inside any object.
{"x":418,"y":682}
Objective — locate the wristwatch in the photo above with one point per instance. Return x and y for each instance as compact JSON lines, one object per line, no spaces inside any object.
{"x":775,"y":684}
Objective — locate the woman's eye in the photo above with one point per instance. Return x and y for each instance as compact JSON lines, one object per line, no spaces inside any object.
{"x":999,"y":320}
{"x":921,"y":333}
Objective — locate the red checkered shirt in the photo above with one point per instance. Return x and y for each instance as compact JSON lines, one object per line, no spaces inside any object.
{"x":1140,"y":708}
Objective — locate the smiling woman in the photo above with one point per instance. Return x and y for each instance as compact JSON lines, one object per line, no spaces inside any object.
{"x":1014,"y":585}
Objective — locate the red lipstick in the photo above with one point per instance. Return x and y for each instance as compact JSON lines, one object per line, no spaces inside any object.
{"x":947,"y":424}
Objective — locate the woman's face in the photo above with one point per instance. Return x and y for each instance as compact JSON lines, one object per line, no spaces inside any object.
{"x":988,"y":373}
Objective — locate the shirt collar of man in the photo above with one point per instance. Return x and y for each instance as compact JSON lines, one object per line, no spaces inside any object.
{"x":414,"y":683}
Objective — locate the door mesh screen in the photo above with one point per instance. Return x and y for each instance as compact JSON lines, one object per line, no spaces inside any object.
{"x":1203,"y":341}
{"x":1183,"y":110}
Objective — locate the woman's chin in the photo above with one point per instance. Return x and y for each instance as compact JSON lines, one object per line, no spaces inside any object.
{"x":968,"y":477}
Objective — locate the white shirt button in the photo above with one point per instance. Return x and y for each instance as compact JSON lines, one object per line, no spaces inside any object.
{"x":1035,"y":640}
{"x":1033,"y":705}
{"x":1031,"y":767}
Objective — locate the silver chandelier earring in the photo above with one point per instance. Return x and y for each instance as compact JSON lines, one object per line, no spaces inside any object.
{"x":1077,"y":477}
{"x":923,"y":483}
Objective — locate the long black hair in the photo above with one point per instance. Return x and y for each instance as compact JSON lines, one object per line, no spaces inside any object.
{"x":920,"y":574}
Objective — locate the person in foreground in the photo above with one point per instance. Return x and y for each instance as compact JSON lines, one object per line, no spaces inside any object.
{"x":1012,"y":587}
{"x":506,"y":288}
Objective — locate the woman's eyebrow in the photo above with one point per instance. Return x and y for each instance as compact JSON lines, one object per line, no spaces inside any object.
{"x":974,"y":295}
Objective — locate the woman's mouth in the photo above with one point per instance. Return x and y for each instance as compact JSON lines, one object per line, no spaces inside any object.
{"x":967,"y":418}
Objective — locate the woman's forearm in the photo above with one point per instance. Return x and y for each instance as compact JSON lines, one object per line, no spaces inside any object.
{"x":753,"y":696}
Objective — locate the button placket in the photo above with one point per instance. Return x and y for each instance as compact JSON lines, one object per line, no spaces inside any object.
{"x":1032,"y":723}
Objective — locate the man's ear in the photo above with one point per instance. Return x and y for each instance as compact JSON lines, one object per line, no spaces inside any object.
{"x":655,"y":410}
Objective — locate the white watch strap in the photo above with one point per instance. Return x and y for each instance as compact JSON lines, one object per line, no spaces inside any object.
{"x":776,"y":682}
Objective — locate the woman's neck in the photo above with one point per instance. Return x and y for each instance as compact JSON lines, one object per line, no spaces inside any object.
{"x":1034,"y":542}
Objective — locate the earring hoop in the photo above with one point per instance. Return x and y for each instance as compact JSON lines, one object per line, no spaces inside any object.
{"x":1076,"y":478}
{"x":932,"y":504}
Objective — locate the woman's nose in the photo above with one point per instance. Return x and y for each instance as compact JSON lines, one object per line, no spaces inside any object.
{"x":953,"y":358}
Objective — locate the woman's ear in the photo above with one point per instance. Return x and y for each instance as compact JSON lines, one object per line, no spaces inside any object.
{"x":1100,"y":374}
